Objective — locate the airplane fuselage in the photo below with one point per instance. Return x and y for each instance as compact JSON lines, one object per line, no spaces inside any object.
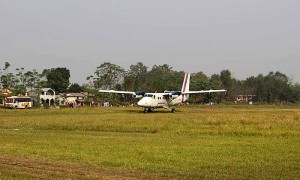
{"x":161,"y":100}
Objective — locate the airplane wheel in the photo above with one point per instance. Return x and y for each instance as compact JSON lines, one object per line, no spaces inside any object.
{"x":173,"y":110}
{"x":145,"y":110}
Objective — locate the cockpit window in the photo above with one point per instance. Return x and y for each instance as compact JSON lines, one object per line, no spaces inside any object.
{"x":148,"y":95}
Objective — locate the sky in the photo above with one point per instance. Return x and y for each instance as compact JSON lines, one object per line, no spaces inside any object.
{"x":248,"y":37}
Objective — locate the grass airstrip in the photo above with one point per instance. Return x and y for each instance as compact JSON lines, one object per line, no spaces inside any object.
{"x":196,"y":142}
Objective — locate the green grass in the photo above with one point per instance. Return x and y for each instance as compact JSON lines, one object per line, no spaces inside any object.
{"x":215,"y":142}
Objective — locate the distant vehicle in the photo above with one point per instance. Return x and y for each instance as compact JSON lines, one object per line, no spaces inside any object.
{"x":151,"y":101}
{"x":18,"y":102}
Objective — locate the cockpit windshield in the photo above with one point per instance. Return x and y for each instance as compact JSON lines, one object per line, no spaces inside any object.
{"x":149,"y":95}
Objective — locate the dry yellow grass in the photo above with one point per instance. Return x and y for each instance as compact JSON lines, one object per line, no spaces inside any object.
{"x":232,"y":142}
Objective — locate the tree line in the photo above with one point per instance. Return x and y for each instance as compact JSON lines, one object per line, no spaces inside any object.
{"x":274,"y":87}
{"x":20,"y":81}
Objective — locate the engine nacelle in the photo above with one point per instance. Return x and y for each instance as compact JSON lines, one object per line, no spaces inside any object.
{"x":175,"y":94}
{"x":139,"y":94}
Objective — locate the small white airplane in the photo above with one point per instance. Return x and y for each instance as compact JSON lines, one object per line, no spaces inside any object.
{"x":151,"y":101}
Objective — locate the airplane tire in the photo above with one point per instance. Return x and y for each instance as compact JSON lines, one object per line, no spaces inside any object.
{"x":173,"y":110}
{"x":145,"y":110}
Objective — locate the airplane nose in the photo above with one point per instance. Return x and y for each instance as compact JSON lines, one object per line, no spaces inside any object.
{"x":142,"y":102}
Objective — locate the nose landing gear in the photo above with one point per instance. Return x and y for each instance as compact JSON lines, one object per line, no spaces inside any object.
{"x":146,"y":110}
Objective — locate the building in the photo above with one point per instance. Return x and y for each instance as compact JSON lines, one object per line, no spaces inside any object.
{"x":245,"y":98}
{"x":75,"y":99}
{"x":47,"y":96}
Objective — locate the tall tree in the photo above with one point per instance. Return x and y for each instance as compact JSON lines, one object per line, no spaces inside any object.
{"x":277,"y":87}
{"x":108,"y":76}
{"x":136,"y":76}
{"x":75,"y":88}
{"x":199,"y":76}
{"x":6,"y":66}
{"x":162,"y":77}
{"x":28,"y":79}
{"x":229,"y":83}
{"x":294,"y":93}
{"x":217,"y":84}
{"x":7,"y":79}
{"x":199,"y":81}
{"x":58,"y":79}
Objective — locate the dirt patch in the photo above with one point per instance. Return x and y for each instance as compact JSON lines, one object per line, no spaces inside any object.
{"x":40,"y":169}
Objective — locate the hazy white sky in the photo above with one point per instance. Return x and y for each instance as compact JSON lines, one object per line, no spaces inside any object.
{"x":247,"y":37}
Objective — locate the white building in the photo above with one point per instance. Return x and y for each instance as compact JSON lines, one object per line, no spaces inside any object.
{"x":47,"y":96}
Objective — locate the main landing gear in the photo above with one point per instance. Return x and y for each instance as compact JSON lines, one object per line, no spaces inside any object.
{"x":173,"y":110}
{"x":146,"y":110}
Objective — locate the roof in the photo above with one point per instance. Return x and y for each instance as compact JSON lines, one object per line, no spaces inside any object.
{"x":47,"y":89}
{"x":75,"y":95}
{"x":18,"y":97}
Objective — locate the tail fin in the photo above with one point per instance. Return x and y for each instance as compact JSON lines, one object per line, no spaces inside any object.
{"x":186,"y":83}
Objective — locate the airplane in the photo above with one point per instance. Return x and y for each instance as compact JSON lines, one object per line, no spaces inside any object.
{"x":167,"y":99}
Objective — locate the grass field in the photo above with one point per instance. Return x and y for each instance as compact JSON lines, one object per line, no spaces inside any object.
{"x":196,"y":142}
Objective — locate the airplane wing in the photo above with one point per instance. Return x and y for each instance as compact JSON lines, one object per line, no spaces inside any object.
{"x":118,"y":92}
{"x":204,"y":91}
{"x":138,"y":94}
